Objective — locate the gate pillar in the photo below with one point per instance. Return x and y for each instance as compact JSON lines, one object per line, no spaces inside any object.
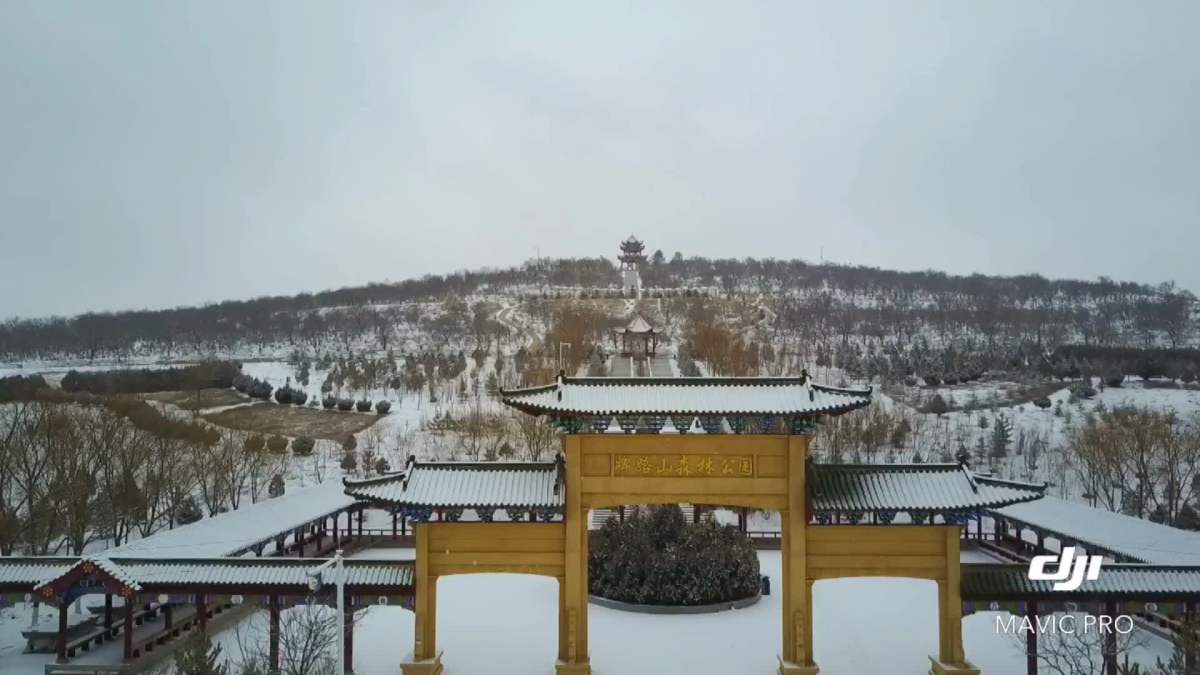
{"x":573,"y":656}
{"x":797,"y":657}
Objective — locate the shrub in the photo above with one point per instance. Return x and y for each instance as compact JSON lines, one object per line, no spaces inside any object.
{"x":349,"y":461}
{"x":656,"y":558}
{"x":254,"y":444}
{"x":299,"y":397}
{"x":303,"y":446}
{"x":277,"y":444}
{"x":937,"y":405}
{"x":260,"y":389}
{"x":910,"y":380}
{"x":364,"y":405}
{"x":1042,"y":402}
{"x":382,"y":407}
{"x":276,"y":487}
{"x":1113,"y":379}
{"x":283,"y":395}
{"x":189,"y":512}
{"x":328,"y":402}
{"x":345,"y":404}
{"x":932,"y":380}
{"x":382,"y":466}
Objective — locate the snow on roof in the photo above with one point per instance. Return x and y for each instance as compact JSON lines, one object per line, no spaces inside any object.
{"x":909,"y":487}
{"x":466,"y":484}
{"x":1133,"y":537}
{"x":153,"y":574}
{"x":232,"y":533}
{"x":637,"y":325}
{"x":992,"y":581}
{"x":686,"y":395}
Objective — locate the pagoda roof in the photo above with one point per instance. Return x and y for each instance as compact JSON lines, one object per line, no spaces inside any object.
{"x":637,"y":325}
{"x":685,"y":396}
{"x":988,"y":581}
{"x":910,"y":487}
{"x":521,"y":485}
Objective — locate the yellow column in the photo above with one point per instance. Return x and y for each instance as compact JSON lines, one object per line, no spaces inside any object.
{"x":426,"y":659}
{"x":950,"y":659}
{"x":573,"y":657}
{"x":797,"y":658}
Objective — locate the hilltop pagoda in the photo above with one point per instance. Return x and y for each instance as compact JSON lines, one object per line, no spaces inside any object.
{"x":632,"y":256}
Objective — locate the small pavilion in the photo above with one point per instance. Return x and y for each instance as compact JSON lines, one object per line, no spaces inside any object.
{"x":638,"y":337}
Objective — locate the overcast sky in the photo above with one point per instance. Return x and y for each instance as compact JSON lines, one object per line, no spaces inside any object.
{"x":156,"y":154}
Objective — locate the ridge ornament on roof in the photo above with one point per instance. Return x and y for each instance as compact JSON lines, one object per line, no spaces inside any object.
{"x":644,"y":404}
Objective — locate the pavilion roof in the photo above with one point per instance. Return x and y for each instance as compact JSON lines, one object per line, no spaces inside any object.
{"x":685,"y":396}
{"x":233,"y":574}
{"x":638,"y":325}
{"x":466,"y":485}
{"x":910,"y":487}
{"x":988,"y":581}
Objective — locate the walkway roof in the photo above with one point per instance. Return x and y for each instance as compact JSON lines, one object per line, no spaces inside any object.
{"x":1131,"y":537}
{"x":910,"y":487}
{"x":986,"y":581}
{"x":236,"y":532}
{"x":281,"y":575}
{"x":467,"y":485}
{"x":608,"y":396}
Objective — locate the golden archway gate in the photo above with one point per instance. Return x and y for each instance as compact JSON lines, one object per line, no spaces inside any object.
{"x":757,"y":471}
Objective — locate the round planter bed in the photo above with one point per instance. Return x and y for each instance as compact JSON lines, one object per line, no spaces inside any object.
{"x":674,"y":609}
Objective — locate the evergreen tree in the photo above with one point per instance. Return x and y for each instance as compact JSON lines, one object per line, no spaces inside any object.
{"x":1001,"y":437}
{"x":189,"y":512}
{"x":199,"y":657}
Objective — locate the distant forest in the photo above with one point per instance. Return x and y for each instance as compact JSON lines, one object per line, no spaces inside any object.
{"x":868,"y":300}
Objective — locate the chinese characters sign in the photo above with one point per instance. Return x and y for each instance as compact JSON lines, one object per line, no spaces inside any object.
{"x":702,"y":466}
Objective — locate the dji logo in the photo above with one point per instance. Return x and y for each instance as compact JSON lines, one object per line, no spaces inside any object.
{"x":1071,"y":569}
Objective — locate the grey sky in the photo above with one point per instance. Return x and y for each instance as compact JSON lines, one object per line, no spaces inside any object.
{"x":155,"y":154}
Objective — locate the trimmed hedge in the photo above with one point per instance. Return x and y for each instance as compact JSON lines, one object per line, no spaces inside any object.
{"x":218,"y":375}
{"x":656,"y":558}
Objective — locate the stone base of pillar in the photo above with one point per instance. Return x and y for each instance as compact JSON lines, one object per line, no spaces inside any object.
{"x":564,"y":668}
{"x":788,"y":668}
{"x":423,"y":667}
{"x":939,"y":668}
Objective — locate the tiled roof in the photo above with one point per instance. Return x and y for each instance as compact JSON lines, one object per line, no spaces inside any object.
{"x":30,"y":572}
{"x":234,"y":532}
{"x":466,"y":484}
{"x":1011,"y":581}
{"x":910,"y":487}
{"x":685,"y":395}
{"x":150,"y":574}
{"x":637,"y":325}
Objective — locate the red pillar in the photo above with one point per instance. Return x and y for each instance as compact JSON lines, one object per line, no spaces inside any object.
{"x":395,"y":524}
{"x":337,"y":537}
{"x":1031,"y":641}
{"x":108,"y":617}
{"x":1189,"y":625}
{"x":349,"y":654}
{"x":360,"y":524}
{"x":273,"y":664}
{"x":299,"y":543}
{"x":168,"y":616}
{"x":61,"y":642}
{"x":128,"y":627}
{"x":202,"y":614}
